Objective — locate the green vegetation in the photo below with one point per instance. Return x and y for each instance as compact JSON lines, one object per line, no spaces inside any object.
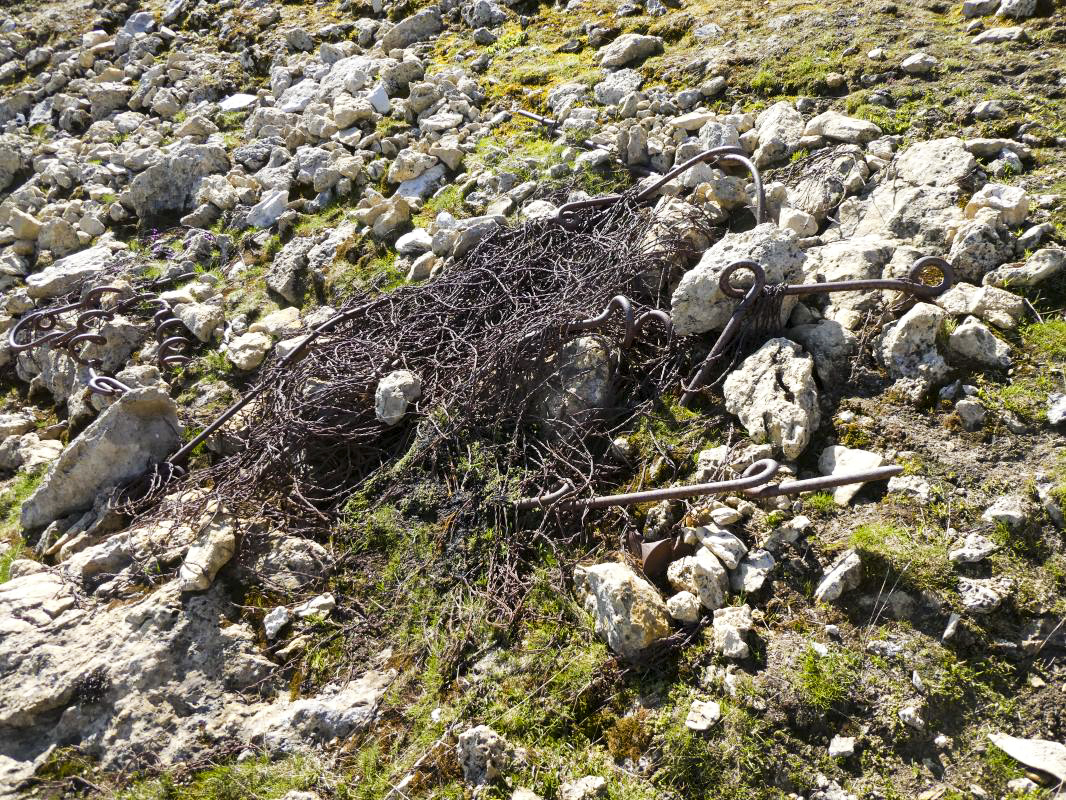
{"x":449,"y":199}
{"x":672,"y":430}
{"x":11,"y":499}
{"x":919,"y":557}
{"x":825,"y":682}
{"x":1042,"y":345}
{"x":256,"y":778}
{"x":804,"y":74}
{"x":231,"y":120}
{"x":730,"y":762}
{"x":820,"y":502}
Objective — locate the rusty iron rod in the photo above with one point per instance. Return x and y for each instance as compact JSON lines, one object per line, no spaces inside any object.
{"x":754,"y":482}
{"x":913,"y":284}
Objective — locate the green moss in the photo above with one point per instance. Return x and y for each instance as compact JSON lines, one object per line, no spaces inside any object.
{"x":256,"y":778}
{"x":918,"y":557}
{"x":64,"y":763}
{"x":390,"y":126}
{"x":1046,"y":339}
{"x":449,"y":199}
{"x":670,"y":428}
{"x":11,"y":499}
{"x":729,"y":762}
{"x":997,"y":770}
{"x":14,"y":551}
{"x":820,"y":502}
{"x":1042,"y":349}
{"x":825,"y":682}
{"x":629,"y":736}
{"x":802,"y":74}
{"x":231,"y":120}
{"x":953,"y":683}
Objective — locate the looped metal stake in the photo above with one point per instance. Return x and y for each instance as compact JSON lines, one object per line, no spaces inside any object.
{"x":41,"y":328}
{"x":914,"y":284}
{"x":657,"y":556}
{"x":634,"y":323}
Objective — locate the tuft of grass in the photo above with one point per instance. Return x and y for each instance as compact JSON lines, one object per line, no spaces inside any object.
{"x":449,"y":199}
{"x":825,"y":682}
{"x":13,"y":552}
{"x":805,"y":74}
{"x":1044,"y":347}
{"x":11,"y":499}
{"x":1046,"y":339}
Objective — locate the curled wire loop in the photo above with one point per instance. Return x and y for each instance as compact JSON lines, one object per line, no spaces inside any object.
{"x":634,"y":323}
{"x":568,"y":213}
{"x":39,"y":329}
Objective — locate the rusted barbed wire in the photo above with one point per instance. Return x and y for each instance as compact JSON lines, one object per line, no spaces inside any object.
{"x":487,"y":339}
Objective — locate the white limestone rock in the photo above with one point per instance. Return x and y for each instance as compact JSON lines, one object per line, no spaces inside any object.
{"x":836,"y":460}
{"x":908,"y":347}
{"x":394,"y":393}
{"x":703,"y":715}
{"x":752,"y":572}
{"x":844,"y":575}
{"x":213,"y":548}
{"x":629,"y":48}
{"x":975,"y":342}
{"x":141,"y":428}
{"x":247,"y":351}
{"x":841,"y":128}
{"x":684,"y":607}
{"x":698,"y":304}
{"x":1012,"y":202}
{"x":732,"y":624}
{"x":773,"y":394}
{"x":628,"y":611}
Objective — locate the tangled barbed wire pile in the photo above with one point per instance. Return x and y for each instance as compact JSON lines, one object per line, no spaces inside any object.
{"x":485,"y":338}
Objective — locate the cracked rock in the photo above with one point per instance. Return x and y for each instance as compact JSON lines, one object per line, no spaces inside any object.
{"x":773,"y":394}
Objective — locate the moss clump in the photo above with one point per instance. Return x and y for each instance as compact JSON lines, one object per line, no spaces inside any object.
{"x":820,"y":502}
{"x":804,"y":74}
{"x":629,"y":736}
{"x":1046,"y":340}
{"x":825,"y":682}
{"x":1043,"y":346}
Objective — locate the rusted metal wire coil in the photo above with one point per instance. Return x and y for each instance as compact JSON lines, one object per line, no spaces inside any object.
{"x":40,"y":329}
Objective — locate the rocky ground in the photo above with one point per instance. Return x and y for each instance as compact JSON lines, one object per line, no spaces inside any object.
{"x":256,"y":163}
